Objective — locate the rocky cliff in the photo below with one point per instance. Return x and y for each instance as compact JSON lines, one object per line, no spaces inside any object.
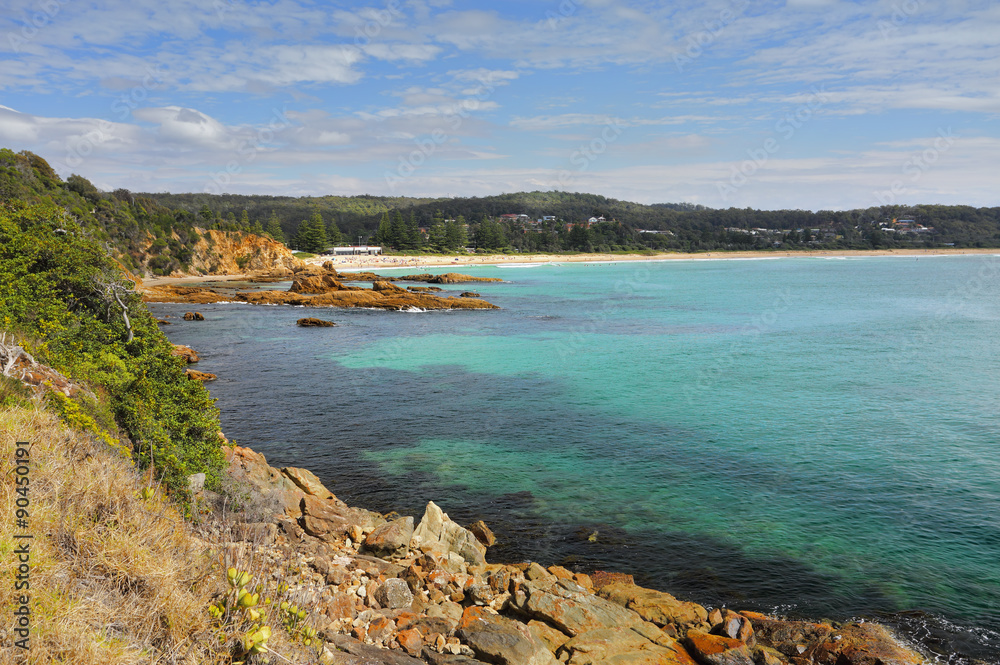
{"x":219,"y":253}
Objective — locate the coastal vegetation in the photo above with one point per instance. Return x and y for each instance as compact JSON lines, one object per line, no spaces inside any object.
{"x":72,"y":307}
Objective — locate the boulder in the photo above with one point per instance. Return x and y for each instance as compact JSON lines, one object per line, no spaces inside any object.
{"x":307,"y":481}
{"x":332,"y":519}
{"x":195,"y":375}
{"x":655,"y":606}
{"x":387,"y":287}
{"x":569,"y":607}
{"x":196,"y":483}
{"x":185,"y":352}
{"x":318,"y":284}
{"x":550,"y":637}
{"x":394,"y":594}
{"x":482,"y":533}
{"x":312,"y":322}
{"x":438,"y":534}
{"x":497,"y":639}
{"x":194,"y":316}
{"x":621,"y":647}
{"x":390,"y":539}
{"x":469,"y":294}
{"x":717,"y":649}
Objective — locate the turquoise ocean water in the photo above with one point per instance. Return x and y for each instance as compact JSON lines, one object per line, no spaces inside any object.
{"x":814,"y":436}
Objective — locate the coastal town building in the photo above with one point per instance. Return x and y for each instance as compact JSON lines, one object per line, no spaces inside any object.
{"x":355,"y":250}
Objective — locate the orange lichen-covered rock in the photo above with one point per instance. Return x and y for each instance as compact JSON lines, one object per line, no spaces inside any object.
{"x":186,"y":352}
{"x":195,"y":375}
{"x":717,"y":649}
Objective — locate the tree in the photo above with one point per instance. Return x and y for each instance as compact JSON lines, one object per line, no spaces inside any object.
{"x":311,"y":236}
{"x":579,"y":238}
{"x":83,"y":187}
{"x":398,"y":231}
{"x":273,"y":228}
{"x":438,"y":236}
{"x":334,"y":236}
{"x":383,"y":235}
{"x":455,"y":235}
{"x":414,"y":240}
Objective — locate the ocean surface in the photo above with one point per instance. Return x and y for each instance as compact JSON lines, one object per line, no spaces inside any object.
{"x":817,"y":437}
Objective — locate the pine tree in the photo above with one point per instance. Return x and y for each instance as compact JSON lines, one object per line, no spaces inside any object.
{"x":383,"y":235}
{"x":455,"y":235}
{"x":274,"y":228}
{"x":438,"y":239}
{"x":311,"y":236}
{"x":413,"y":238}
{"x":398,"y":231}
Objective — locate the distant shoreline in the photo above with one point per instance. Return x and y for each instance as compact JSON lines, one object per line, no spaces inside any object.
{"x":421,"y":262}
{"x":346,"y":263}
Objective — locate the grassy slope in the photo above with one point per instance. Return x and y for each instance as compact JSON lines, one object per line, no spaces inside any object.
{"x":115,"y":578}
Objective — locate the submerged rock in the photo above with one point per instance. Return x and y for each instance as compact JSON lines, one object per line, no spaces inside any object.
{"x":311,"y":322}
{"x":194,"y":316}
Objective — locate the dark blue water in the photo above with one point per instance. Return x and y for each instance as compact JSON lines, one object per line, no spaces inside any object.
{"x":817,"y":437}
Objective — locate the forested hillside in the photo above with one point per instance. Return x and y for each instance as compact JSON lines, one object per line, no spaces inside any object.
{"x":162,"y":233}
{"x":409,"y":223}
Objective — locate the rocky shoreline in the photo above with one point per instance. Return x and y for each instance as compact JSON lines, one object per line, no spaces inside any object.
{"x":324,"y":287}
{"x":397,"y":591}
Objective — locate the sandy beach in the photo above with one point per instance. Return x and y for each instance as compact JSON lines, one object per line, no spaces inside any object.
{"x":418,"y":263}
{"x":370,"y":262}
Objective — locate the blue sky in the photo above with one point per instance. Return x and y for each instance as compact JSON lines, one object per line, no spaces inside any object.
{"x":813,"y":104}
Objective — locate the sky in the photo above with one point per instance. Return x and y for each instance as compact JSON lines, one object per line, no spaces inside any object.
{"x":809,"y":104}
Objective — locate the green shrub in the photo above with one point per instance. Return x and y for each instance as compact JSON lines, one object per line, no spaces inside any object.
{"x":56,"y":293}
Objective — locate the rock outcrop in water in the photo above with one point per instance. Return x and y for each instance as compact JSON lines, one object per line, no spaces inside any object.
{"x":324,"y":289}
{"x":391,"y":593}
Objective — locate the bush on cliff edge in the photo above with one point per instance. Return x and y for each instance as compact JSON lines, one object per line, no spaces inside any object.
{"x":76,"y":311}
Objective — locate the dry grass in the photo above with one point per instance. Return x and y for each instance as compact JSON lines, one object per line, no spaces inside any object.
{"x":115,"y":578}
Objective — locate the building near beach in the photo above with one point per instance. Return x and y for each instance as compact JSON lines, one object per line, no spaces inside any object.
{"x":355,"y":250}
